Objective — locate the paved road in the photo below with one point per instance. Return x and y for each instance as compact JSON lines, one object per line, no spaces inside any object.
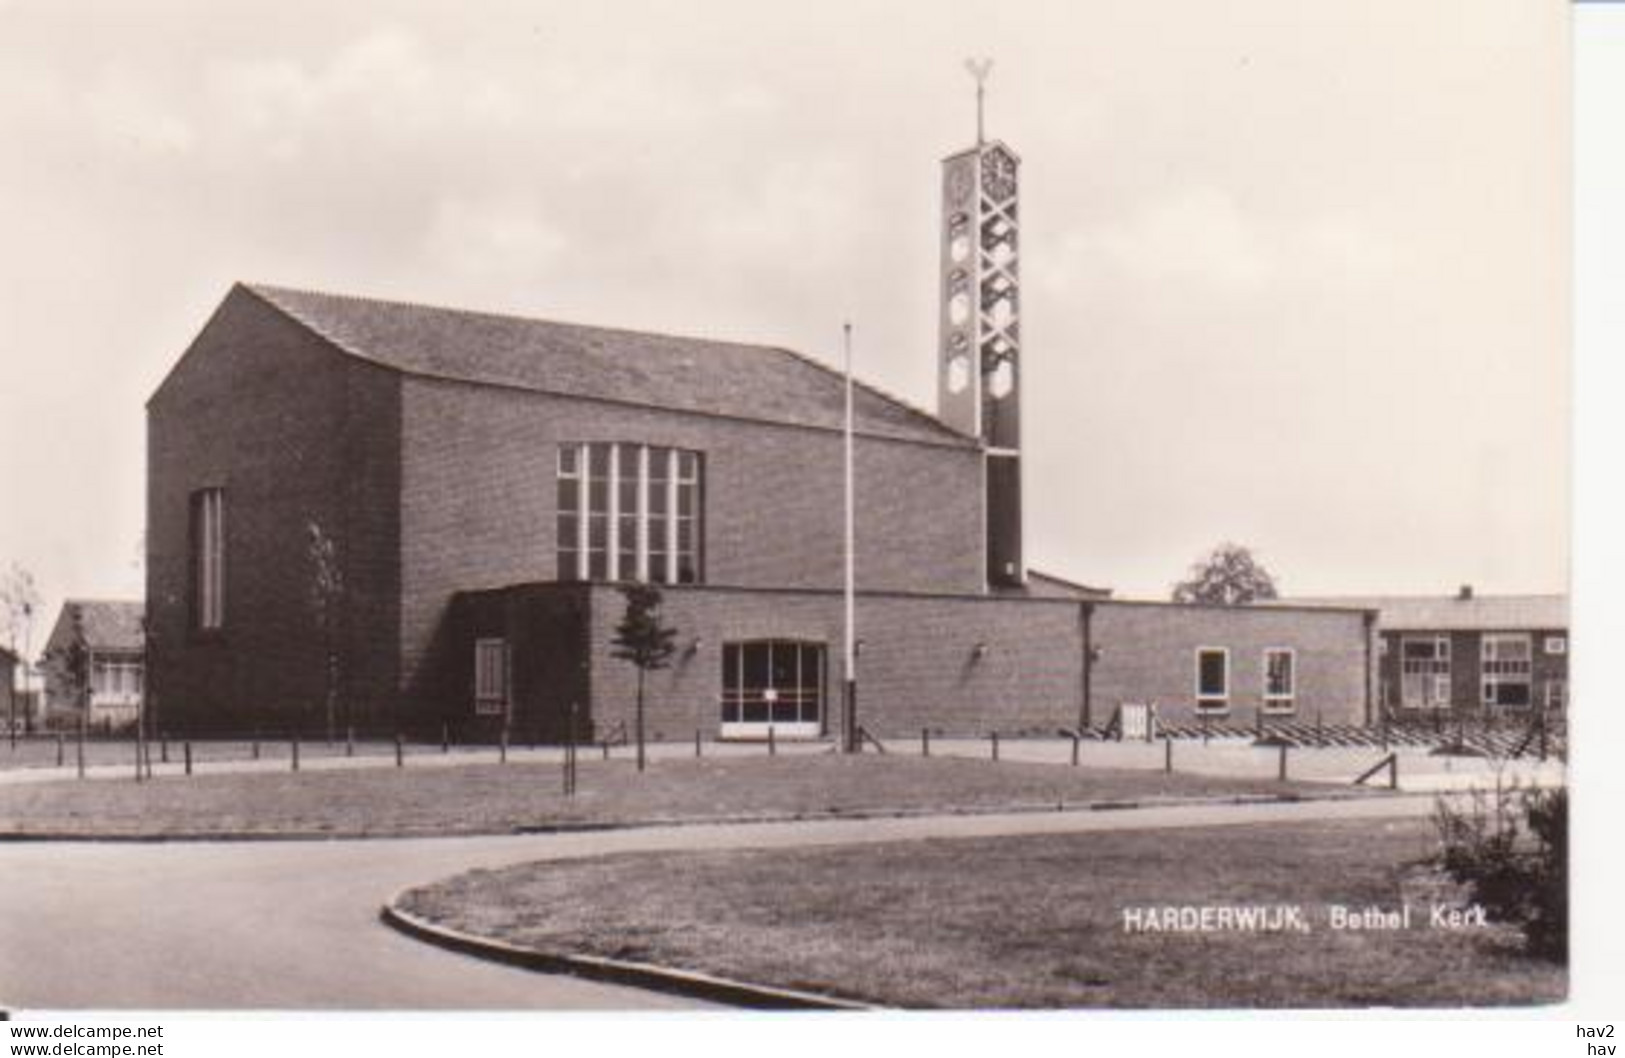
{"x":293,"y":924}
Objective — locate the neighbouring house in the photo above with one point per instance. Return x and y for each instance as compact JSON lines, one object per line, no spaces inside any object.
{"x":1469,"y":654}
{"x":486,"y":483}
{"x":115,"y":661}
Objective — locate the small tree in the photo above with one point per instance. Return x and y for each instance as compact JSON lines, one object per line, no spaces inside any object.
{"x":327,"y":604}
{"x":1229,"y":576}
{"x":641,"y":639}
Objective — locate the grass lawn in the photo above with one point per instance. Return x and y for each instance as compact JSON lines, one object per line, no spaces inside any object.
{"x":474,"y":798}
{"x":1018,"y":921}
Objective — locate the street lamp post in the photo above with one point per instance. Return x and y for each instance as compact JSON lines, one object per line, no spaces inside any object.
{"x":849,"y":650}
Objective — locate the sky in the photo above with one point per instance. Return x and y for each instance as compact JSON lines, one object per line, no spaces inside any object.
{"x":1295,"y":275}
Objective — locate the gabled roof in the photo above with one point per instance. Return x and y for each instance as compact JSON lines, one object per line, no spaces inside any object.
{"x":109,"y":624}
{"x":688,"y":374}
{"x":1487,"y":613}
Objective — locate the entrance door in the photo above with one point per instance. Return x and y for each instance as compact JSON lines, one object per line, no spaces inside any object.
{"x":772,"y":683}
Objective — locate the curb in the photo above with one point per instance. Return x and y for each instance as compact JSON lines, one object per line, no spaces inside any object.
{"x":591,"y":826}
{"x":613,"y":971}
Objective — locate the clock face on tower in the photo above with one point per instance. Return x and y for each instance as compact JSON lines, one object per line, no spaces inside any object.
{"x":998,"y":175}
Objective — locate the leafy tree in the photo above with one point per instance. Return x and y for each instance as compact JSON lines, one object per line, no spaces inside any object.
{"x":641,"y":639}
{"x":327,"y":604}
{"x":1229,"y":576}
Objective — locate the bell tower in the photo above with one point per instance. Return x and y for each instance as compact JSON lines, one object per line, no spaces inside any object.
{"x":979,"y":361}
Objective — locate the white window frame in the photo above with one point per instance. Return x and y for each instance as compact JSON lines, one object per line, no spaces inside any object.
{"x":1436,"y":680}
{"x":1281,"y":702}
{"x":492,"y":685}
{"x":1556,"y":644}
{"x":1494,"y":671}
{"x":621,"y":462}
{"x":1212,"y":703}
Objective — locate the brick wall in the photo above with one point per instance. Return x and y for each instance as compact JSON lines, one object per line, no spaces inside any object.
{"x":920,"y":666}
{"x":292,"y":431}
{"x":1147,"y":652}
{"x":478,"y":500}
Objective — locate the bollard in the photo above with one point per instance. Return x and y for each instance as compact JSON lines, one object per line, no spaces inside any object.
{"x":925,"y":741}
{"x":772,"y":746}
{"x":60,"y":754}
{"x":254,"y":747}
{"x":349,"y":741}
{"x":993,"y":738}
{"x":1393,"y":771}
{"x":445,"y":737}
{"x":502,"y":756}
{"x":293,"y":745}
{"x":1168,"y":754}
{"x":1283,"y":762}
{"x":163,"y":749}
{"x":80,"y":750}
{"x":1076,"y":742}
{"x":400,"y":752}
{"x":606,"y":750}
{"x":187,"y":747}
{"x":696,"y":743}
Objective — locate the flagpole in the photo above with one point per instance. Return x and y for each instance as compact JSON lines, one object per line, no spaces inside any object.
{"x":849,"y":669}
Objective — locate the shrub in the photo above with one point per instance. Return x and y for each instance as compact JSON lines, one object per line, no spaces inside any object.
{"x":1511,"y":850}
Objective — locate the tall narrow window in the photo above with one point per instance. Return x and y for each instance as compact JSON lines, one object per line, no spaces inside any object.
{"x":208,"y":559}
{"x":1280,"y":680}
{"x":490,"y":676}
{"x":598,"y":484}
{"x":659,"y":493}
{"x":569,"y":513}
{"x":688,"y":517}
{"x":1213,"y":678}
{"x":630,"y":512}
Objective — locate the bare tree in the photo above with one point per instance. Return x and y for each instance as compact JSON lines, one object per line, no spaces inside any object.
{"x":19,"y":600}
{"x":1228,"y":576}
{"x":327,"y":604}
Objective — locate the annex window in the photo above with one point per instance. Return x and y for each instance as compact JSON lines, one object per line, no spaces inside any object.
{"x":490,"y":677}
{"x":1557,"y":693}
{"x":1424,"y":672}
{"x":1213,"y":678}
{"x":1557,"y":644}
{"x":1505,"y":669}
{"x":208,"y":559}
{"x":116,"y":679}
{"x":630,"y":512}
{"x":772,"y":683}
{"x":1280,"y":679}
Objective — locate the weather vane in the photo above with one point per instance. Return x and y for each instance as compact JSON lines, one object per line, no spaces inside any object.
{"x":979,"y":69}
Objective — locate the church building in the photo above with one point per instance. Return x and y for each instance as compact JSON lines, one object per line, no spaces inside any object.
{"x":431,"y":512}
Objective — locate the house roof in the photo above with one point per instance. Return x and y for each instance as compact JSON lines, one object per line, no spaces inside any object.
{"x":1049,"y":585}
{"x":1416,"y":613}
{"x":109,"y":624}
{"x":689,"y":374}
